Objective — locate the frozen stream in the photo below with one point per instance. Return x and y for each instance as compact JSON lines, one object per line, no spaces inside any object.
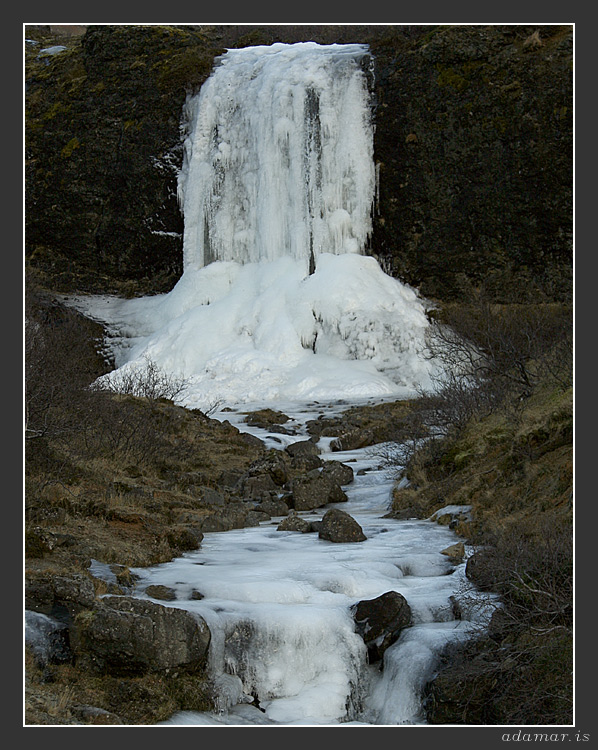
{"x":279,"y":302}
{"x":284,"y":647}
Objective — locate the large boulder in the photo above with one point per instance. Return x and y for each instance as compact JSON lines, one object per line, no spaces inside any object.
{"x":380,"y":621}
{"x":315,"y":489}
{"x":128,"y":636}
{"x":338,"y":526}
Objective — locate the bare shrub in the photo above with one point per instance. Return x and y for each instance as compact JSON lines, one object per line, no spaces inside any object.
{"x":508,"y":348}
{"x":530,"y":563}
{"x":149,"y":382}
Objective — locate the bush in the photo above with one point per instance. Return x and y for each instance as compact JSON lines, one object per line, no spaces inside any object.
{"x":521,"y":672}
{"x":504,"y":349}
{"x":149,"y":382}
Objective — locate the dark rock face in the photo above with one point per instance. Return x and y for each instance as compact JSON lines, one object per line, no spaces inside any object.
{"x":338,"y":526}
{"x":127,"y":636}
{"x":380,"y":621}
{"x":463,"y":192}
{"x":473,"y":146}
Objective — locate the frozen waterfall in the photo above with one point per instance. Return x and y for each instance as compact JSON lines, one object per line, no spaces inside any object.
{"x":278,"y":300}
{"x":279,"y":156}
{"x":280,"y":304}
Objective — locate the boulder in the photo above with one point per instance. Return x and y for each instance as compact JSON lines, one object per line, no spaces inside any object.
{"x":293,"y":522}
{"x":127,"y":636}
{"x":315,"y":489}
{"x":306,"y":462}
{"x":274,"y":506}
{"x":164,"y":593}
{"x":380,"y":621}
{"x":353,"y":438}
{"x":266,"y":418}
{"x":338,"y":526}
{"x":338,"y":472}
{"x":257,"y":486}
{"x":455,"y":553}
{"x":303,"y":448}
{"x":273,"y":465}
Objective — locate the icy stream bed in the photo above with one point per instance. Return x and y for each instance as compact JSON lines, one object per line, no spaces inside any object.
{"x":284,"y":648}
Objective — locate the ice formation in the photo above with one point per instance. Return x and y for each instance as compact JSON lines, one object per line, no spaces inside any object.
{"x":278,"y":300}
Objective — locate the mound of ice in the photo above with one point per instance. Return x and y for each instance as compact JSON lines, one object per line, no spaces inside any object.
{"x":263,"y":332}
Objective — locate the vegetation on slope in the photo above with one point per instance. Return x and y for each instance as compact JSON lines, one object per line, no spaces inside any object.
{"x":504,"y":448}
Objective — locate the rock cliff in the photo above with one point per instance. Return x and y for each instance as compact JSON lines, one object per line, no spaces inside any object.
{"x":473,"y":147}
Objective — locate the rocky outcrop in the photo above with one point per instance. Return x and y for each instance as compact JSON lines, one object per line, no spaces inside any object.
{"x":60,"y":597}
{"x":338,"y":526}
{"x":127,"y":636}
{"x":380,"y":621}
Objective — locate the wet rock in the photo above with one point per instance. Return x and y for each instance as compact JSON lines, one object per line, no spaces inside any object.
{"x":338,"y":526}
{"x":380,"y":621}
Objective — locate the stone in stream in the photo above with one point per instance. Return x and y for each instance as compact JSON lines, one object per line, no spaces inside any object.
{"x":380,"y":621}
{"x":338,"y":526}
